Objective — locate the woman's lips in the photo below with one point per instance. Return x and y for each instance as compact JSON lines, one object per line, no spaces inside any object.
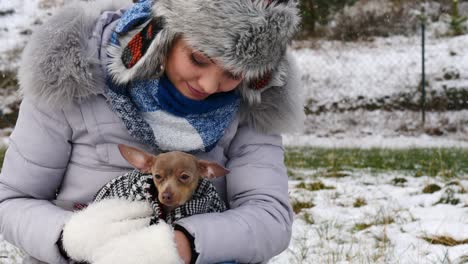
{"x":196,"y":93}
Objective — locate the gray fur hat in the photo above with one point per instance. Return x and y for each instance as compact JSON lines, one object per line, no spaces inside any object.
{"x":248,"y":37}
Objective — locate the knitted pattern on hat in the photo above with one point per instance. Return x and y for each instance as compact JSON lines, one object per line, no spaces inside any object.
{"x":137,"y":186}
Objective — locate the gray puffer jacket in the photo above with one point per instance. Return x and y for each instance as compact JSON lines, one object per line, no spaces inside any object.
{"x":64,"y":149}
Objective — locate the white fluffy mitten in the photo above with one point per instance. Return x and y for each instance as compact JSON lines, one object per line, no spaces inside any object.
{"x":149,"y":245}
{"x":100,"y":222}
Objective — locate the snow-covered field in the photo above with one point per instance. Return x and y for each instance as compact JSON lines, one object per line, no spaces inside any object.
{"x":368,"y":218}
{"x":364,"y":217}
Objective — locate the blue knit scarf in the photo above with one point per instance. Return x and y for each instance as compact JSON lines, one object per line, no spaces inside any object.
{"x":157,"y":114}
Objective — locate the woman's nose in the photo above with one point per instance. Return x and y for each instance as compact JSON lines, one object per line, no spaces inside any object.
{"x":210,"y":81}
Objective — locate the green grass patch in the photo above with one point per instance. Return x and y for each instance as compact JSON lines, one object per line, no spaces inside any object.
{"x":448,"y":197}
{"x":308,"y":218}
{"x":444,"y":240}
{"x":399,"y":181}
{"x":431,"y":188}
{"x":359,"y":202}
{"x":314,"y":186}
{"x":447,"y":162}
{"x":457,"y":185}
{"x":384,"y":221}
{"x":298,"y":206}
{"x":2,"y":156}
{"x":361,"y":226}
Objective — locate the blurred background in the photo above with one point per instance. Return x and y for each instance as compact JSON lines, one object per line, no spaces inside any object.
{"x":362,"y":68}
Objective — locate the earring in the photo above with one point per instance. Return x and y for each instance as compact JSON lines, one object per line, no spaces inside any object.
{"x":161,"y":68}
{"x":160,"y":71}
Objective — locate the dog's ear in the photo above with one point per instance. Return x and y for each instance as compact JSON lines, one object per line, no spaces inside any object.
{"x":211,"y":170}
{"x":139,"y":159}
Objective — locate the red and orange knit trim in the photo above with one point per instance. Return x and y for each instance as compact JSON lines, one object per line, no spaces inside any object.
{"x":261,"y":82}
{"x":140,"y":43}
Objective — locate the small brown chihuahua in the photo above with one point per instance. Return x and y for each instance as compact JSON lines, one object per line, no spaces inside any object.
{"x":175,"y":174}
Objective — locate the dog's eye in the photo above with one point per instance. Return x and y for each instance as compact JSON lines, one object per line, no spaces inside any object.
{"x":157,"y":177}
{"x":184,"y":177}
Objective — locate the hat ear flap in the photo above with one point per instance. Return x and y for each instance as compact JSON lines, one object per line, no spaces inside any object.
{"x":138,"y":45}
{"x":261,"y":82}
{"x":252,"y":89}
{"x":140,"y":53}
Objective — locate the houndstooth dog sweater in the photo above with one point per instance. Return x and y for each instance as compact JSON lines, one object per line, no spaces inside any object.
{"x":137,"y":186}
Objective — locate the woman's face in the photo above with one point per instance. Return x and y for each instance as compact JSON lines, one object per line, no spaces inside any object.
{"x":195,"y":75}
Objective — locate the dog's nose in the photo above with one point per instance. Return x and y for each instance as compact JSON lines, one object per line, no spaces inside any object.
{"x":167,"y":197}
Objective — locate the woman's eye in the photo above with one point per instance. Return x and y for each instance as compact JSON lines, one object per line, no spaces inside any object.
{"x":198,"y":59}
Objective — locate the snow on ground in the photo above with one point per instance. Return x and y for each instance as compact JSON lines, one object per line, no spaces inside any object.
{"x":9,"y":254}
{"x":16,"y":26}
{"x":388,"y":228}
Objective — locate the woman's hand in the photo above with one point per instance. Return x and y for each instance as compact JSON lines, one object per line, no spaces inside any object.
{"x":183,"y":246}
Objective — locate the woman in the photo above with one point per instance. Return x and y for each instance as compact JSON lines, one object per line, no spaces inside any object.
{"x":211,"y":77}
